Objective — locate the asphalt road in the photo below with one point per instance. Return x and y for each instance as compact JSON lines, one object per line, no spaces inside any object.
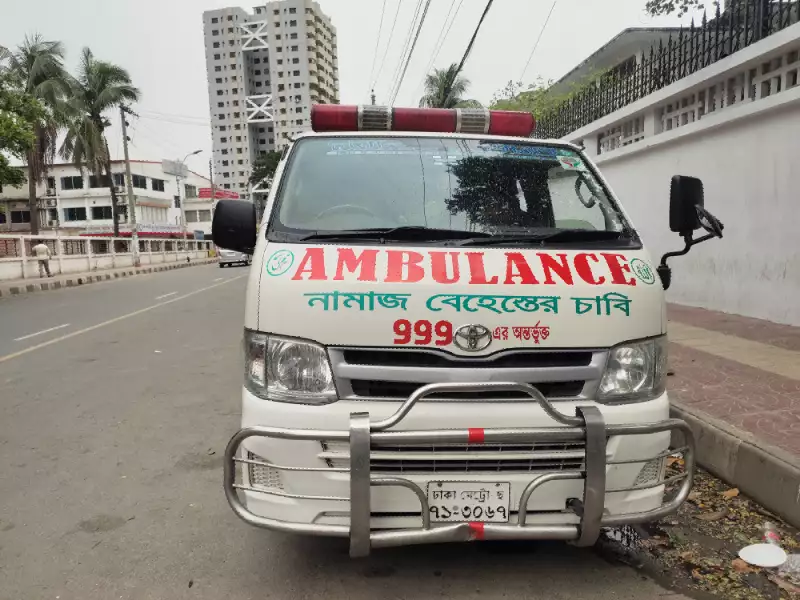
{"x":111,"y":432}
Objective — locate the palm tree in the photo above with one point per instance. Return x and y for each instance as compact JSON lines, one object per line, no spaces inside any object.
{"x":445,"y":88}
{"x":37,"y":67}
{"x":99,"y":86}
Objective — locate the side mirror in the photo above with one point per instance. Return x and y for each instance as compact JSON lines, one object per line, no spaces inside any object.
{"x":687,"y":214}
{"x":685,"y":194}
{"x":234,"y":226}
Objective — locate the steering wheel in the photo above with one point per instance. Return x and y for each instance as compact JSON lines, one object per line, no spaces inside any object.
{"x":709,"y":222}
{"x":591,"y":201}
{"x":346,"y":208}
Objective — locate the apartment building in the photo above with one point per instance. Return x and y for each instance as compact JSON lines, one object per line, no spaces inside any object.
{"x":265,"y":69}
{"x":75,"y":201}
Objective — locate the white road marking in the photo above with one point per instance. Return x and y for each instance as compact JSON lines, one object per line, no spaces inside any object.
{"x":165,"y":295}
{"x":114,"y":320}
{"x":30,"y":335}
{"x":219,"y":279}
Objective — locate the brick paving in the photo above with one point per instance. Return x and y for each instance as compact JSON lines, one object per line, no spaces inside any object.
{"x":758,"y":402}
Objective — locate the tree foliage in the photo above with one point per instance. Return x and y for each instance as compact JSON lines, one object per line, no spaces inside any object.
{"x":445,"y":88}
{"x":19,"y":113}
{"x":264,"y":167}
{"x":665,"y":7}
{"x":98,"y":87}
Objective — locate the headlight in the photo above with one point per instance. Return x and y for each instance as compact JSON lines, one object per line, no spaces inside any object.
{"x":635,"y":371}
{"x":287,"y":370}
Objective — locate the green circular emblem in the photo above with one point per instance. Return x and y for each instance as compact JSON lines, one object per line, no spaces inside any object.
{"x":643,"y":271}
{"x":280,"y":262}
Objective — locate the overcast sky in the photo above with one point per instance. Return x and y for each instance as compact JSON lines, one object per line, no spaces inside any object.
{"x":160,"y":42}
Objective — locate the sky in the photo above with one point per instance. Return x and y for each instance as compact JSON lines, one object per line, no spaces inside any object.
{"x":160,"y":42}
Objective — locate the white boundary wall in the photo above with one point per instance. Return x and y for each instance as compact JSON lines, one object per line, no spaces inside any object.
{"x":73,"y":254}
{"x":736,"y":125}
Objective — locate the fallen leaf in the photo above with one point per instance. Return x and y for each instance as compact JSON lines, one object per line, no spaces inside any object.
{"x":731,"y":493}
{"x":693,"y":496}
{"x":741,"y":566}
{"x":686,"y":555}
{"x":713,"y":516}
{"x":783,"y":584}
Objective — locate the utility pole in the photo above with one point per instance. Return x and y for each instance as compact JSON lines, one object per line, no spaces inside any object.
{"x":373,"y":97}
{"x":131,"y":201}
{"x":213,"y":190}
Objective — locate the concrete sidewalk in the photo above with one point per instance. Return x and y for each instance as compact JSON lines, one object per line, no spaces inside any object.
{"x":15,"y":287}
{"x":737,"y":381}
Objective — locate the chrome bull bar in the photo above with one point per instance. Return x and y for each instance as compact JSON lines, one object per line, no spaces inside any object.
{"x":587,"y":426}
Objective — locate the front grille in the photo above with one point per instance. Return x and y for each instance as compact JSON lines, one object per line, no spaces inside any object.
{"x":464,"y":458}
{"x":417,"y":358}
{"x":403,"y":389}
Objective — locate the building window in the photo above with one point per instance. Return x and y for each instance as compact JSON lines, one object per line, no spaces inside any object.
{"x":293,"y":36}
{"x":236,"y":103}
{"x":215,"y":32}
{"x":100,"y":213}
{"x":217,"y":56}
{"x":119,"y":179}
{"x":238,"y":151}
{"x":139,"y":181}
{"x":220,"y":105}
{"x":280,"y":73}
{"x":262,"y":141}
{"x":238,"y":138}
{"x":299,"y":121}
{"x":237,"y":126}
{"x":226,"y":174}
{"x":72,"y":183}
{"x":218,"y":80}
{"x":216,"y":44}
{"x":292,"y":23}
{"x":278,"y":49}
{"x":258,"y":10}
{"x":18,"y":216}
{"x":230,"y":18}
{"x":277,"y":36}
{"x":96,"y":181}
{"x":217,"y":69}
{"x":296,"y":73}
{"x":271,"y":140}
{"x":227,"y":186}
{"x":281,"y":98}
{"x":204,"y":215}
{"x":233,"y":77}
{"x":269,"y":128}
{"x":292,"y":11}
{"x":296,"y":61}
{"x":299,"y":109}
{"x":224,"y":151}
{"x":232,"y":55}
{"x":214,"y":20}
{"x":224,"y":163}
{"x":261,"y":130}
{"x":281,"y":87}
{"x":221,"y":116}
{"x":190,"y":191}
{"x":230,"y":29}
{"x":276,"y":12}
{"x":191,"y":216}
{"x":258,"y":84}
{"x":294,"y":48}
{"x":158,"y":185}
{"x":297,"y":85}
{"x":240,"y":162}
{"x":283,"y":111}
{"x":222,"y":127}
{"x":236,"y":115}
{"x":75,"y":214}
{"x":241,"y":173}
{"x":219,"y":92}
{"x":277,"y":23}
{"x":256,"y":61}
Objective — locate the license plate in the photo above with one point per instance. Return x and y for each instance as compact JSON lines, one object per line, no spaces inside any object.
{"x":459,"y":501}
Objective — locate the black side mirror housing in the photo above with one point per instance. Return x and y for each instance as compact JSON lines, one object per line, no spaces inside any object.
{"x":685,"y":195}
{"x":234,"y":226}
{"x":686,"y":215}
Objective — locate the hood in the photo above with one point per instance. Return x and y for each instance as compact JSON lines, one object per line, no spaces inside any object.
{"x":473,"y":301}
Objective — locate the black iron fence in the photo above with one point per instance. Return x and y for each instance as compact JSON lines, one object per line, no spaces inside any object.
{"x":742,"y":23}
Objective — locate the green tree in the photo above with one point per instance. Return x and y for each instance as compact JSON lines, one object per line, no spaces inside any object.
{"x":666,"y":7}
{"x":445,"y":88}
{"x":264,"y":167}
{"x":19,"y":113}
{"x":36,"y":68}
{"x":99,"y":86}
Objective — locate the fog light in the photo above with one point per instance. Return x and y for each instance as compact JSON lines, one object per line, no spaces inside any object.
{"x":263,"y":476}
{"x":652,"y":471}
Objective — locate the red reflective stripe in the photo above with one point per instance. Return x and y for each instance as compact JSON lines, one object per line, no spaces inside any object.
{"x":509,"y":122}
{"x":334,"y":117}
{"x":477,"y":531}
{"x":476,"y":435}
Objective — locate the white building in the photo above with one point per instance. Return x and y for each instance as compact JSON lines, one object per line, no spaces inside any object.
{"x":75,"y":201}
{"x":265,"y":70}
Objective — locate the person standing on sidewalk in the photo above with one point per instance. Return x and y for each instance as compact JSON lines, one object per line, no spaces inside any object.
{"x":42,"y":253}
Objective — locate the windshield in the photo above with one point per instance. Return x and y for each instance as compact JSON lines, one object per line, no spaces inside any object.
{"x":462,"y":185}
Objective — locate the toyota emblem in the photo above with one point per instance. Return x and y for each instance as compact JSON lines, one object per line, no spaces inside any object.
{"x":472,"y":338}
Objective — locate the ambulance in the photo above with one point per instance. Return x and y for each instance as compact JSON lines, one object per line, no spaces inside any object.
{"x":452,"y":332}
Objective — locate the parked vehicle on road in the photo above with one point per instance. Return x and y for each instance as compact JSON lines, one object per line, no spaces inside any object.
{"x":233,"y":257}
{"x":454,"y":332}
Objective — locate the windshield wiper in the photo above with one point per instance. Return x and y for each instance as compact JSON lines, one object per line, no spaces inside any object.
{"x":405,"y":232}
{"x":563,"y":235}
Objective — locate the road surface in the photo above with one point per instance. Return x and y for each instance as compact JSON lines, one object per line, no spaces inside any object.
{"x":116,"y":401}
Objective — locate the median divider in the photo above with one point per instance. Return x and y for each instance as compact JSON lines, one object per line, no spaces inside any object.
{"x":27,"y":286}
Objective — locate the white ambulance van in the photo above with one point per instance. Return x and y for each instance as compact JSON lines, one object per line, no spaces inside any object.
{"x":453,"y":332}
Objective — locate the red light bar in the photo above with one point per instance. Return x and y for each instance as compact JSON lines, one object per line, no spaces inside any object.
{"x":335,"y":117}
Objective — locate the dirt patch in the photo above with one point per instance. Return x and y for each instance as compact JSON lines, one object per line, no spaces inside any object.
{"x":696,"y":550}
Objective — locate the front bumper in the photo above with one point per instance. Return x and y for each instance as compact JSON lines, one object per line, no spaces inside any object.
{"x":365,"y":438}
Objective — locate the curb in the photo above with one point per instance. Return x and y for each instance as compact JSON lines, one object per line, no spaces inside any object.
{"x":767,"y":474}
{"x":83,"y":279}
